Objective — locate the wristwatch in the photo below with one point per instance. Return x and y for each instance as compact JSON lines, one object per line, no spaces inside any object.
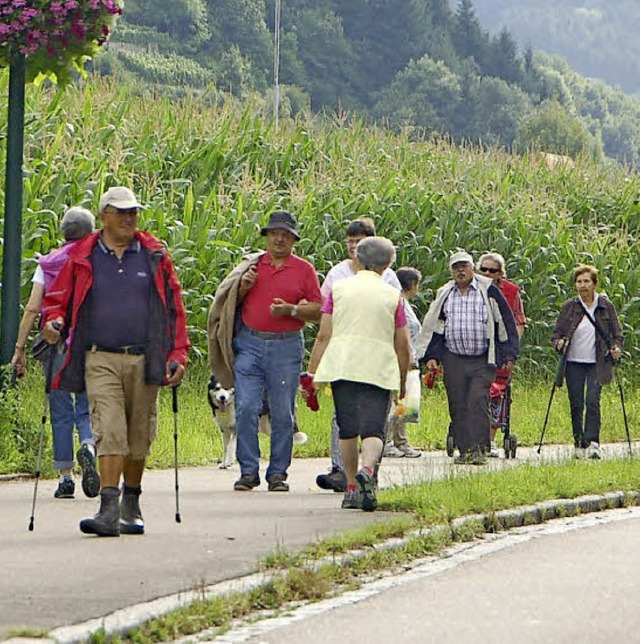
{"x":294,"y":311}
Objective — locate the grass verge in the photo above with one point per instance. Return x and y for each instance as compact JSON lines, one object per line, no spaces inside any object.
{"x":427,"y":514}
{"x":200,"y":440}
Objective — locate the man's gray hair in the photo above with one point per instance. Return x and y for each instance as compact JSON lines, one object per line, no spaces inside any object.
{"x":77,"y":223}
{"x":375,"y":253}
{"x":494,"y":257}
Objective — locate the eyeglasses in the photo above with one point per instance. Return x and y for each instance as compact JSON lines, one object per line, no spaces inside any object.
{"x":486,"y":269}
{"x":123,"y":212}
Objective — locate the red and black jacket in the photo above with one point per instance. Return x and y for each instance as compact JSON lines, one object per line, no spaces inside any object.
{"x":69,"y":296}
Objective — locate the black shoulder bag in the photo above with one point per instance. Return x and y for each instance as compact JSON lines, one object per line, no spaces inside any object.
{"x":599,"y":331}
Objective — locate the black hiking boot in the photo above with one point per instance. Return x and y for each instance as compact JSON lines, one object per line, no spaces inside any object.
{"x":107,"y":522}
{"x":336,"y":480}
{"x":131,"y":521}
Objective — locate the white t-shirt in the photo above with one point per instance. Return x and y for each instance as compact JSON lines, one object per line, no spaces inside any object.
{"x":38,"y":276}
{"x":583,"y":342}
{"x":343,"y":270}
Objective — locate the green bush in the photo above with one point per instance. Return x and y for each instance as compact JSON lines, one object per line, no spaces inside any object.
{"x":19,"y":432}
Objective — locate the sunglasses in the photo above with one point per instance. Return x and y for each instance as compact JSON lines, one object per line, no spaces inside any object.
{"x":486,"y":269}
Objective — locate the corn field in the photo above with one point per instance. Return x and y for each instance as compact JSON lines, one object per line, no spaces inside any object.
{"x":211,"y":173}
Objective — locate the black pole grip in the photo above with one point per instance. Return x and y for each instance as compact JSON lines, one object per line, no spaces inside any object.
{"x":173,"y":366}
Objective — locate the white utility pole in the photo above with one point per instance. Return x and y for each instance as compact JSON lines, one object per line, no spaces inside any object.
{"x":276,"y":66}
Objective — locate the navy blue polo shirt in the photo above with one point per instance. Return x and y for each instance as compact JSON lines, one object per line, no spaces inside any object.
{"x":119,"y":302}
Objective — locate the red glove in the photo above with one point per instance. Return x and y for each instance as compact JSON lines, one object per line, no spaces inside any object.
{"x":429,"y":378}
{"x":311,"y":397}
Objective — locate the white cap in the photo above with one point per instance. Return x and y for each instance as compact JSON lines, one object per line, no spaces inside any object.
{"x":119,"y":197}
{"x":460,"y":256}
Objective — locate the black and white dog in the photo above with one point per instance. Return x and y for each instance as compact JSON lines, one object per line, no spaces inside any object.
{"x":222,"y":405}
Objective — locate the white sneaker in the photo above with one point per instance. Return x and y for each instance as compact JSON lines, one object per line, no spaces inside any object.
{"x":494,"y":453}
{"x":300,"y":438}
{"x":593,"y":451}
{"x":410,"y":452}
{"x":579,"y":452}
{"x":391,"y":451}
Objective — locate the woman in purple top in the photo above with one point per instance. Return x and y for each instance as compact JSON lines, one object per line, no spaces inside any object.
{"x":64,"y":410}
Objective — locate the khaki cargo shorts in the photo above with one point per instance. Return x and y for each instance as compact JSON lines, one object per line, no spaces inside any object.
{"x":124,"y":414}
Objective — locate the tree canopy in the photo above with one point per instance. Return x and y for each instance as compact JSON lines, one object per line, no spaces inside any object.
{"x":418,"y":63}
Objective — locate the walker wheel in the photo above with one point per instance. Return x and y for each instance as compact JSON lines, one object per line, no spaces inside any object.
{"x":506,"y":445}
{"x":513,"y":443}
{"x":450,"y":445}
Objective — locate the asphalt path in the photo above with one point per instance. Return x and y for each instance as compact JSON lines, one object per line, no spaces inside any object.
{"x":54,"y":576}
{"x":567,"y":581}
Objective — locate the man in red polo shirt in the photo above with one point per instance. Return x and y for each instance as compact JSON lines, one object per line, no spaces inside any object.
{"x":278,"y":295}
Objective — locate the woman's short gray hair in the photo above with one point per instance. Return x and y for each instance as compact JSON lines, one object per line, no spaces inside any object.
{"x":494,"y":257}
{"x":375,"y":253}
{"x":77,"y":223}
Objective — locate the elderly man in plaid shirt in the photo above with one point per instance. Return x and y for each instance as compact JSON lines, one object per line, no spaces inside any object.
{"x":470,"y":330}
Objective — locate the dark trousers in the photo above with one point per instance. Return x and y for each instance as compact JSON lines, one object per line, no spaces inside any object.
{"x":578,"y":375}
{"x":467,"y":380}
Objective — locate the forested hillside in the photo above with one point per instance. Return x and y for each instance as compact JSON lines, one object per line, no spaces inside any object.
{"x":418,"y":65}
{"x":597,"y":37}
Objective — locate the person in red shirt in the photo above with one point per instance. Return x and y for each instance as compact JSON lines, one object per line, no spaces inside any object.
{"x":278,"y":294}
{"x":493,"y":265}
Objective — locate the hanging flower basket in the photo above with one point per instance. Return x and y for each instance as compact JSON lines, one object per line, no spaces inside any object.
{"x":55,"y":36}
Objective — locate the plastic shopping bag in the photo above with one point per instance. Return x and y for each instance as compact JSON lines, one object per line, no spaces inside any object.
{"x":412,"y":398}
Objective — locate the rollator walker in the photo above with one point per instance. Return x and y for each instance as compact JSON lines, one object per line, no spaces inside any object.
{"x":500,"y":394}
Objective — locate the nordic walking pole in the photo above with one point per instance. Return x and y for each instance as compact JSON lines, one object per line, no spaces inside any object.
{"x":47,"y":389}
{"x":624,"y":409}
{"x":557,"y":382}
{"x":174,"y":392}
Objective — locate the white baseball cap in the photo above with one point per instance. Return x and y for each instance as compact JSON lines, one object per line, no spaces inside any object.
{"x":460,"y":256}
{"x":119,"y":197}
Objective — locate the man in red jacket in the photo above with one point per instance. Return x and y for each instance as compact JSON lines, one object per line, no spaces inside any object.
{"x":118,"y":301}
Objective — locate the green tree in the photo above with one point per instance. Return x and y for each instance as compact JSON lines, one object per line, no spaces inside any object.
{"x":425,"y":94}
{"x":621,"y":138}
{"x":327,"y":57}
{"x":552,"y":129}
{"x":233,"y":72}
{"x":386,"y":35}
{"x":503,"y":60}
{"x":469,"y":38}
{"x":498,"y":110}
{"x":186,"y":21}
{"x":242,"y":23}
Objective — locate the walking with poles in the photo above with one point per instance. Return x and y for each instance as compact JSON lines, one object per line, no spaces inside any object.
{"x":589,"y":337}
{"x":118,"y":300}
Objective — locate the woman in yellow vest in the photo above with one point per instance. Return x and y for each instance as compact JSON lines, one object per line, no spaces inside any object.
{"x":363,"y":350}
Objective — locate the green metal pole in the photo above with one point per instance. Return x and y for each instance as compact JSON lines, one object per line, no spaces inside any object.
{"x":12,"y":250}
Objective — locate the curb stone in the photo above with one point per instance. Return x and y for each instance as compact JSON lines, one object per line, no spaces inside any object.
{"x":20,"y":476}
{"x":122,"y":621}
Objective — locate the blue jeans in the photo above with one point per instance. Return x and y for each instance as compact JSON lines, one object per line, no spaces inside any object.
{"x":65,"y":414}
{"x":274,"y":365}
{"x":578,"y":375}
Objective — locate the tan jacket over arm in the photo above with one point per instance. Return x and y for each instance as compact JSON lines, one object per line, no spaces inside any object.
{"x":221,"y":321}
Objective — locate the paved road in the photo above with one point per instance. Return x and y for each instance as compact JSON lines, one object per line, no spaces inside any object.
{"x":55,"y":576}
{"x":568,"y":581}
